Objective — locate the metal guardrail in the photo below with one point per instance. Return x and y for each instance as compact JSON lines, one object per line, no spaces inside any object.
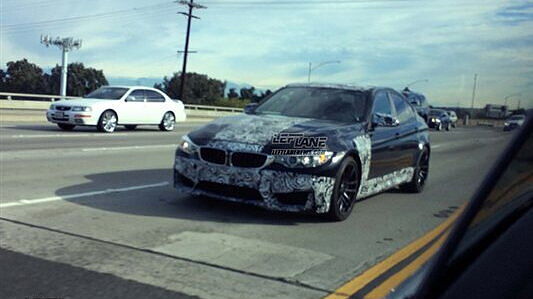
{"x":51,"y":98}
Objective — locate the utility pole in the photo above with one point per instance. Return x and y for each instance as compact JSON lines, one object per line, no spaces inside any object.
{"x":189,"y":15}
{"x":66,"y":45}
{"x":473,"y":96}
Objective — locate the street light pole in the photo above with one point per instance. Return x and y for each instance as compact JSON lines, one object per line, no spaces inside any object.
{"x":311,"y":68}
{"x":473,"y":96}
{"x":66,"y":45}
{"x":510,"y":96}
{"x":417,"y":81}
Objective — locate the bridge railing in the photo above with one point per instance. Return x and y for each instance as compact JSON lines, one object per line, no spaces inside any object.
{"x":10,"y":96}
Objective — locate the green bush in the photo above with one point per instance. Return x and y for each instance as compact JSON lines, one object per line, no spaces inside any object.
{"x":233,"y":102}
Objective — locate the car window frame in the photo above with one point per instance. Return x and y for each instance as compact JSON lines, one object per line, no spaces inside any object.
{"x":409,"y":107}
{"x":375,"y":96}
{"x":154,"y":91}
{"x":135,"y":90}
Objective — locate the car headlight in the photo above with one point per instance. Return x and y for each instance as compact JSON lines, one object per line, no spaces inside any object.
{"x":81,"y":108}
{"x":187,"y":146}
{"x":437,"y":120}
{"x":305,"y":161}
{"x":52,"y":107}
{"x":505,"y":123}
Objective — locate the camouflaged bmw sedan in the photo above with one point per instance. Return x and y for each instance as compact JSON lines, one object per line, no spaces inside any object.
{"x":308,"y":147}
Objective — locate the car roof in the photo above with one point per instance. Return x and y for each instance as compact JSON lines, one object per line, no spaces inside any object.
{"x":131,"y":87}
{"x":332,"y":85}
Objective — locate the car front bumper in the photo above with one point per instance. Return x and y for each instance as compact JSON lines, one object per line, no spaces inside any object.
{"x":266,"y":188}
{"x":72,"y":117}
{"x":433,"y":124}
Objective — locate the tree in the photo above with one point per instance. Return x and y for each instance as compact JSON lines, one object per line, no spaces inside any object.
{"x":80,"y":80}
{"x":232,"y":94}
{"x":3,"y":78}
{"x":23,"y":77}
{"x":199,"y":89}
{"x":247,"y":93}
{"x":264,"y":95}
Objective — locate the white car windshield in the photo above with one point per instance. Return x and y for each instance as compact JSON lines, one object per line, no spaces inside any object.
{"x":107,"y":93}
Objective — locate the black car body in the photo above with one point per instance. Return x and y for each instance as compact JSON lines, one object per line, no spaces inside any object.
{"x":373,"y":133}
{"x":439,"y":119}
{"x":418,"y":101}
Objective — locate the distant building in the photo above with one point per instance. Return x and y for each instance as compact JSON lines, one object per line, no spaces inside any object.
{"x":496,"y":111}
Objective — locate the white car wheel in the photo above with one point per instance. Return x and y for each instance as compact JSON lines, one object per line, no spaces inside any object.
{"x":168,"y":122}
{"x":108,"y":122}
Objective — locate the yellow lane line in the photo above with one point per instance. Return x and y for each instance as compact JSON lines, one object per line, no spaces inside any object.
{"x":383,"y":289}
{"x":357,"y":283}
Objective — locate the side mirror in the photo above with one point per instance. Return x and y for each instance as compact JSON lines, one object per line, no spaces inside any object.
{"x":130,"y":99}
{"x":384,"y":120}
{"x":250,"y":108}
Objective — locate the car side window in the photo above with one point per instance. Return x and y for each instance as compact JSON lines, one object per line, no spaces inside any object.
{"x":154,"y":97}
{"x":382,"y":104}
{"x":136,"y":96}
{"x":403,"y":110}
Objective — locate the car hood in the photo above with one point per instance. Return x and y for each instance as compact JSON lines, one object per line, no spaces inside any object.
{"x":80,"y":102}
{"x":257,"y":131}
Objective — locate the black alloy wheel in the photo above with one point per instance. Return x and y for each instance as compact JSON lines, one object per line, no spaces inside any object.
{"x":344,"y":190}
{"x":417,"y":183}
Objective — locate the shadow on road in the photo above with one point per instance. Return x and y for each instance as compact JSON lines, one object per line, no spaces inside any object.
{"x":54,"y":129}
{"x":167,"y":202}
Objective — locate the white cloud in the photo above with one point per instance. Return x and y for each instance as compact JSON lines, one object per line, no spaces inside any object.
{"x":379,"y":42}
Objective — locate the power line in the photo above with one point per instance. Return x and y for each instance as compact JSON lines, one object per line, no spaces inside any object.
{"x":137,"y":10}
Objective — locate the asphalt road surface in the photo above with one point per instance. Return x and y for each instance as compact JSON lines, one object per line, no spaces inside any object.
{"x":85,"y":215}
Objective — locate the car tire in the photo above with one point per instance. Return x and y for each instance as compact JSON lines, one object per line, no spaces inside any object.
{"x":66,"y":127}
{"x":130,"y":127}
{"x":345,"y":190}
{"x":448,"y":127}
{"x":420,"y":175}
{"x":107,"y":122}
{"x":168,"y":122}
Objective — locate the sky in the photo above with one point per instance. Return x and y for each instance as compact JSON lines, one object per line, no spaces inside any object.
{"x":270,"y":43}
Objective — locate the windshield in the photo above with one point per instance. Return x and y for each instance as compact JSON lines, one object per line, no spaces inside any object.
{"x":107,"y":93}
{"x":319,"y":103}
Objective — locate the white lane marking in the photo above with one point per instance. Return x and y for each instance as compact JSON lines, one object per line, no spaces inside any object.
{"x":24,"y":202}
{"x":436,"y":146}
{"x":123,"y":148}
{"x":20,"y":136}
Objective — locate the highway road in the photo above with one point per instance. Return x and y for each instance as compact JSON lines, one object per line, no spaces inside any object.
{"x":85,"y":215}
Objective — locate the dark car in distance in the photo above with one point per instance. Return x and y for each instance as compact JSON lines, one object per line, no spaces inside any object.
{"x":418,"y":101}
{"x":308,"y":147}
{"x":513,"y":122}
{"x":439,"y":119}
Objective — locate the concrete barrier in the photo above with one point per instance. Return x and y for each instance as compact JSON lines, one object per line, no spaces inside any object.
{"x":196,"y":111}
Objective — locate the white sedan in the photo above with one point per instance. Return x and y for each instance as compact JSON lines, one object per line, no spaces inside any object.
{"x":110,"y":106}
